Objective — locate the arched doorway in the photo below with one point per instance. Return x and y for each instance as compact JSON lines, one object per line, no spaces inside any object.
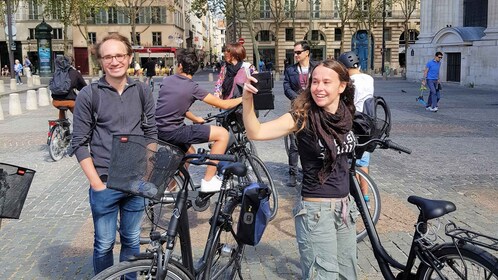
{"x":359,"y":45}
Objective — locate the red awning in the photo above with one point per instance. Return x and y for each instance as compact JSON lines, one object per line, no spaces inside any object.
{"x":155,"y":50}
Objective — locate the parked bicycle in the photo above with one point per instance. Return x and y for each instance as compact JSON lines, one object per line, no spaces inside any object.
{"x":245,"y":151}
{"x":464,"y":257}
{"x":223,"y":251}
{"x":59,"y":136}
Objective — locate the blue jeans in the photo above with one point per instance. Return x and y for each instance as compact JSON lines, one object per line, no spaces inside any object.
{"x":105,"y":207}
{"x":434,"y":93}
{"x":18,"y":78}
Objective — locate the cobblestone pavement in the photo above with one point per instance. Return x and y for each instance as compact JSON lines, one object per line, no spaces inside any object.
{"x":454,"y":157}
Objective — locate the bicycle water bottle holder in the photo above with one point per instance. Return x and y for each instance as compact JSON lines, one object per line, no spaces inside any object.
{"x":470,"y":236}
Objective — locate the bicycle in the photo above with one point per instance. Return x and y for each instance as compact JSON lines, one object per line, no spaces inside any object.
{"x":223,"y":252}
{"x":59,"y":136}
{"x":459,"y":259}
{"x":245,"y":151}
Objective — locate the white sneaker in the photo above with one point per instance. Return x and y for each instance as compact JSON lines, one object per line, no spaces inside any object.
{"x":213,"y":185}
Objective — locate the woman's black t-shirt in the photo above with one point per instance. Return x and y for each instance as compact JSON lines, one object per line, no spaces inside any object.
{"x":311,"y":152}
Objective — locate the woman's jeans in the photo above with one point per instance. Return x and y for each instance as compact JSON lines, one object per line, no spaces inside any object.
{"x":18,"y":78}
{"x":105,"y":206}
{"x":326,"y":237}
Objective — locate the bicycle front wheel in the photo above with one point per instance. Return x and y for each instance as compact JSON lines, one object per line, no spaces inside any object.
{"x":141,"y":269}
{"x":474,"y":263}
{"x":374,"y":204}
{"x":57,"y":144}
{"x":226,"y":253}
{"x":257,"y":172}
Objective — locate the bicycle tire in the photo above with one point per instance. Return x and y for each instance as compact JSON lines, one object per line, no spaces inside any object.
{"x":476,"y":260}
{"x":225,"y":254}
{"x":56,"y":145}
{"x":258,"y":172}
{"x":375,"y":205}
{"x":286,"y":144}
{"x":144,"y":269}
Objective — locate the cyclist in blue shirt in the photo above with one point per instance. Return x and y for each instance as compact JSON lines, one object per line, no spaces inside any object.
{"x":431,"y":78}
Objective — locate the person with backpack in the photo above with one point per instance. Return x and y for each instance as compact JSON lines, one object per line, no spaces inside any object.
{"x":63,"y":84}
{"x":325,"y":216}
{"x":18,"y":70}
{"x":364,"y":89}
{"x":296,"y":78}
{"x":115,"y":104}
{"x":177,"y":94}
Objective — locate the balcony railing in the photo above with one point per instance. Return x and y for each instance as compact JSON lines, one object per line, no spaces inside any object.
{"x":330,"y":14}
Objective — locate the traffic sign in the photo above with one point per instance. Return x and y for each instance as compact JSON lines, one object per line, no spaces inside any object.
{"x":241,"y":41}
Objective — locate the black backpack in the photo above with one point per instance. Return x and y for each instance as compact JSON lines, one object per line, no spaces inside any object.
{"x":373,"y":123}
{"x":60,"y":84}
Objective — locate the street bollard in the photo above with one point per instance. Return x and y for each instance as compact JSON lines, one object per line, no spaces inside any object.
{"x":30,"y":81}
{"x":277,"y":76}
{"x":13,"y":84}
{"x":95,"y":80}
{"x":27,"y":72}
{"x":1,"y":113}
{"x":43,"y":98}
{"x":87,"y":81}
{"x":14,"y":104}
{"x":2,"y":87}
{"x":210,"y":75}
{"x":36,"y":80}
{"x":101,"y":74}
{"x":31,"y":100}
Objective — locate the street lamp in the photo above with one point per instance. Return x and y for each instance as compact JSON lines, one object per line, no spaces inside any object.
{"x":383,"y":35}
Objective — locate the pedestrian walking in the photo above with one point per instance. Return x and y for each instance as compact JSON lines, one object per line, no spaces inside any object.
{"x":18,"y":70}
{"x":431,"y":79}
{"x":119,"y":110}
{"x":325,"y":216}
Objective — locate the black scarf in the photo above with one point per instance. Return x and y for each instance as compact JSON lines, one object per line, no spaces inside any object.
{"x":329,"y":127}
{"x":231,"y":72}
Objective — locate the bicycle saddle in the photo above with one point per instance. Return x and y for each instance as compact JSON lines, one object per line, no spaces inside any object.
{"x":236,"y":168}
{"x":430,"y":208}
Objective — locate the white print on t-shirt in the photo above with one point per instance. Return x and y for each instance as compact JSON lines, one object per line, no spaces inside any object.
{"x":347,"y":146}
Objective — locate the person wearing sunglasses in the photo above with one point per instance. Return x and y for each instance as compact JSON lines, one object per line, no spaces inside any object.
{"x":296,"y":79}
{"x":431,"y":79}
{"x":124,"y":106}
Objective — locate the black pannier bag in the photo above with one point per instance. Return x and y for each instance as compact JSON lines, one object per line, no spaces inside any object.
{"x":254,"y":214}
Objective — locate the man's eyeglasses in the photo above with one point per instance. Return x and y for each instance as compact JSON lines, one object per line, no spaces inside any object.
{"x":440,"y":57}
{"x":118,"y":57}
{"x":299,"y":52}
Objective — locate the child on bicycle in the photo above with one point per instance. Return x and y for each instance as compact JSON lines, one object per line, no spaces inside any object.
{"x":325,"y":217}
{"x":177,"y":94}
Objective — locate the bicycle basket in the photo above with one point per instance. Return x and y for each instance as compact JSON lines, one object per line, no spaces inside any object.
{"x":142,"y":165}
{"x":14,"y":186}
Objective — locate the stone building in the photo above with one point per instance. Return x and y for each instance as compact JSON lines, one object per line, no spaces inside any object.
{"x":466,"y":32}
{"x":322,"y":18}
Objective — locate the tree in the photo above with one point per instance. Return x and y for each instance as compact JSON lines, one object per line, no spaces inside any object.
{"x":249,"y":11}
{"x":407,"y":7}
{"x":13,"y":8}
{"x":345,"y":10}
{"x":279,"y":12}
{"x":64,"y":11}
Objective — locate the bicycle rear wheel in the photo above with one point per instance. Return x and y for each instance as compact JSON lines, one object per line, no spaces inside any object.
{"x":57,"y":144}
{"x":474,"y":263}
{"x":142,"y":269}
{"x":226,"y":253}
{"x":374,"y":205}
{"x":257,"y":172}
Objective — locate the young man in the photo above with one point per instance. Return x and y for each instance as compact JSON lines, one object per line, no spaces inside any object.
{"x":177,"y":94}
{"x":431,"y":78}
{"x":120,"y":110}
{"x":296,"y":79}
{"x":364,"y":89}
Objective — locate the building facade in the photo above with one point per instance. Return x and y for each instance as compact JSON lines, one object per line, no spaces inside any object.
{"x":466,"y":32}
{"x":323,"y":20}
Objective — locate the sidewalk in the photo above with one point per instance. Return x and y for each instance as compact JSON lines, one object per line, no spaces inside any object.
{"x":455,"y":157}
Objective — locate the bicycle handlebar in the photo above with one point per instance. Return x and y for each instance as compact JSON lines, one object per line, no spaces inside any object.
{"x":199,"y":159}
{"x":222,"y":114}
{"x":387,"y":144}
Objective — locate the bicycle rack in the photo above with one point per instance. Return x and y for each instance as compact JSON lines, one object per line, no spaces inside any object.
{"x":470,"y":236}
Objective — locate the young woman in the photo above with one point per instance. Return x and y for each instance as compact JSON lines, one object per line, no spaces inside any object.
{"x":233,"y":72}
{"x":325,"y":217}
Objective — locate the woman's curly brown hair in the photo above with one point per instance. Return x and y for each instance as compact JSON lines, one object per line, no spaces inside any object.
{"x":302,"y":105}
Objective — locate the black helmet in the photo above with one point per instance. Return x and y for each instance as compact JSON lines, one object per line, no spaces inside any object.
{"x":349,"y":59}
